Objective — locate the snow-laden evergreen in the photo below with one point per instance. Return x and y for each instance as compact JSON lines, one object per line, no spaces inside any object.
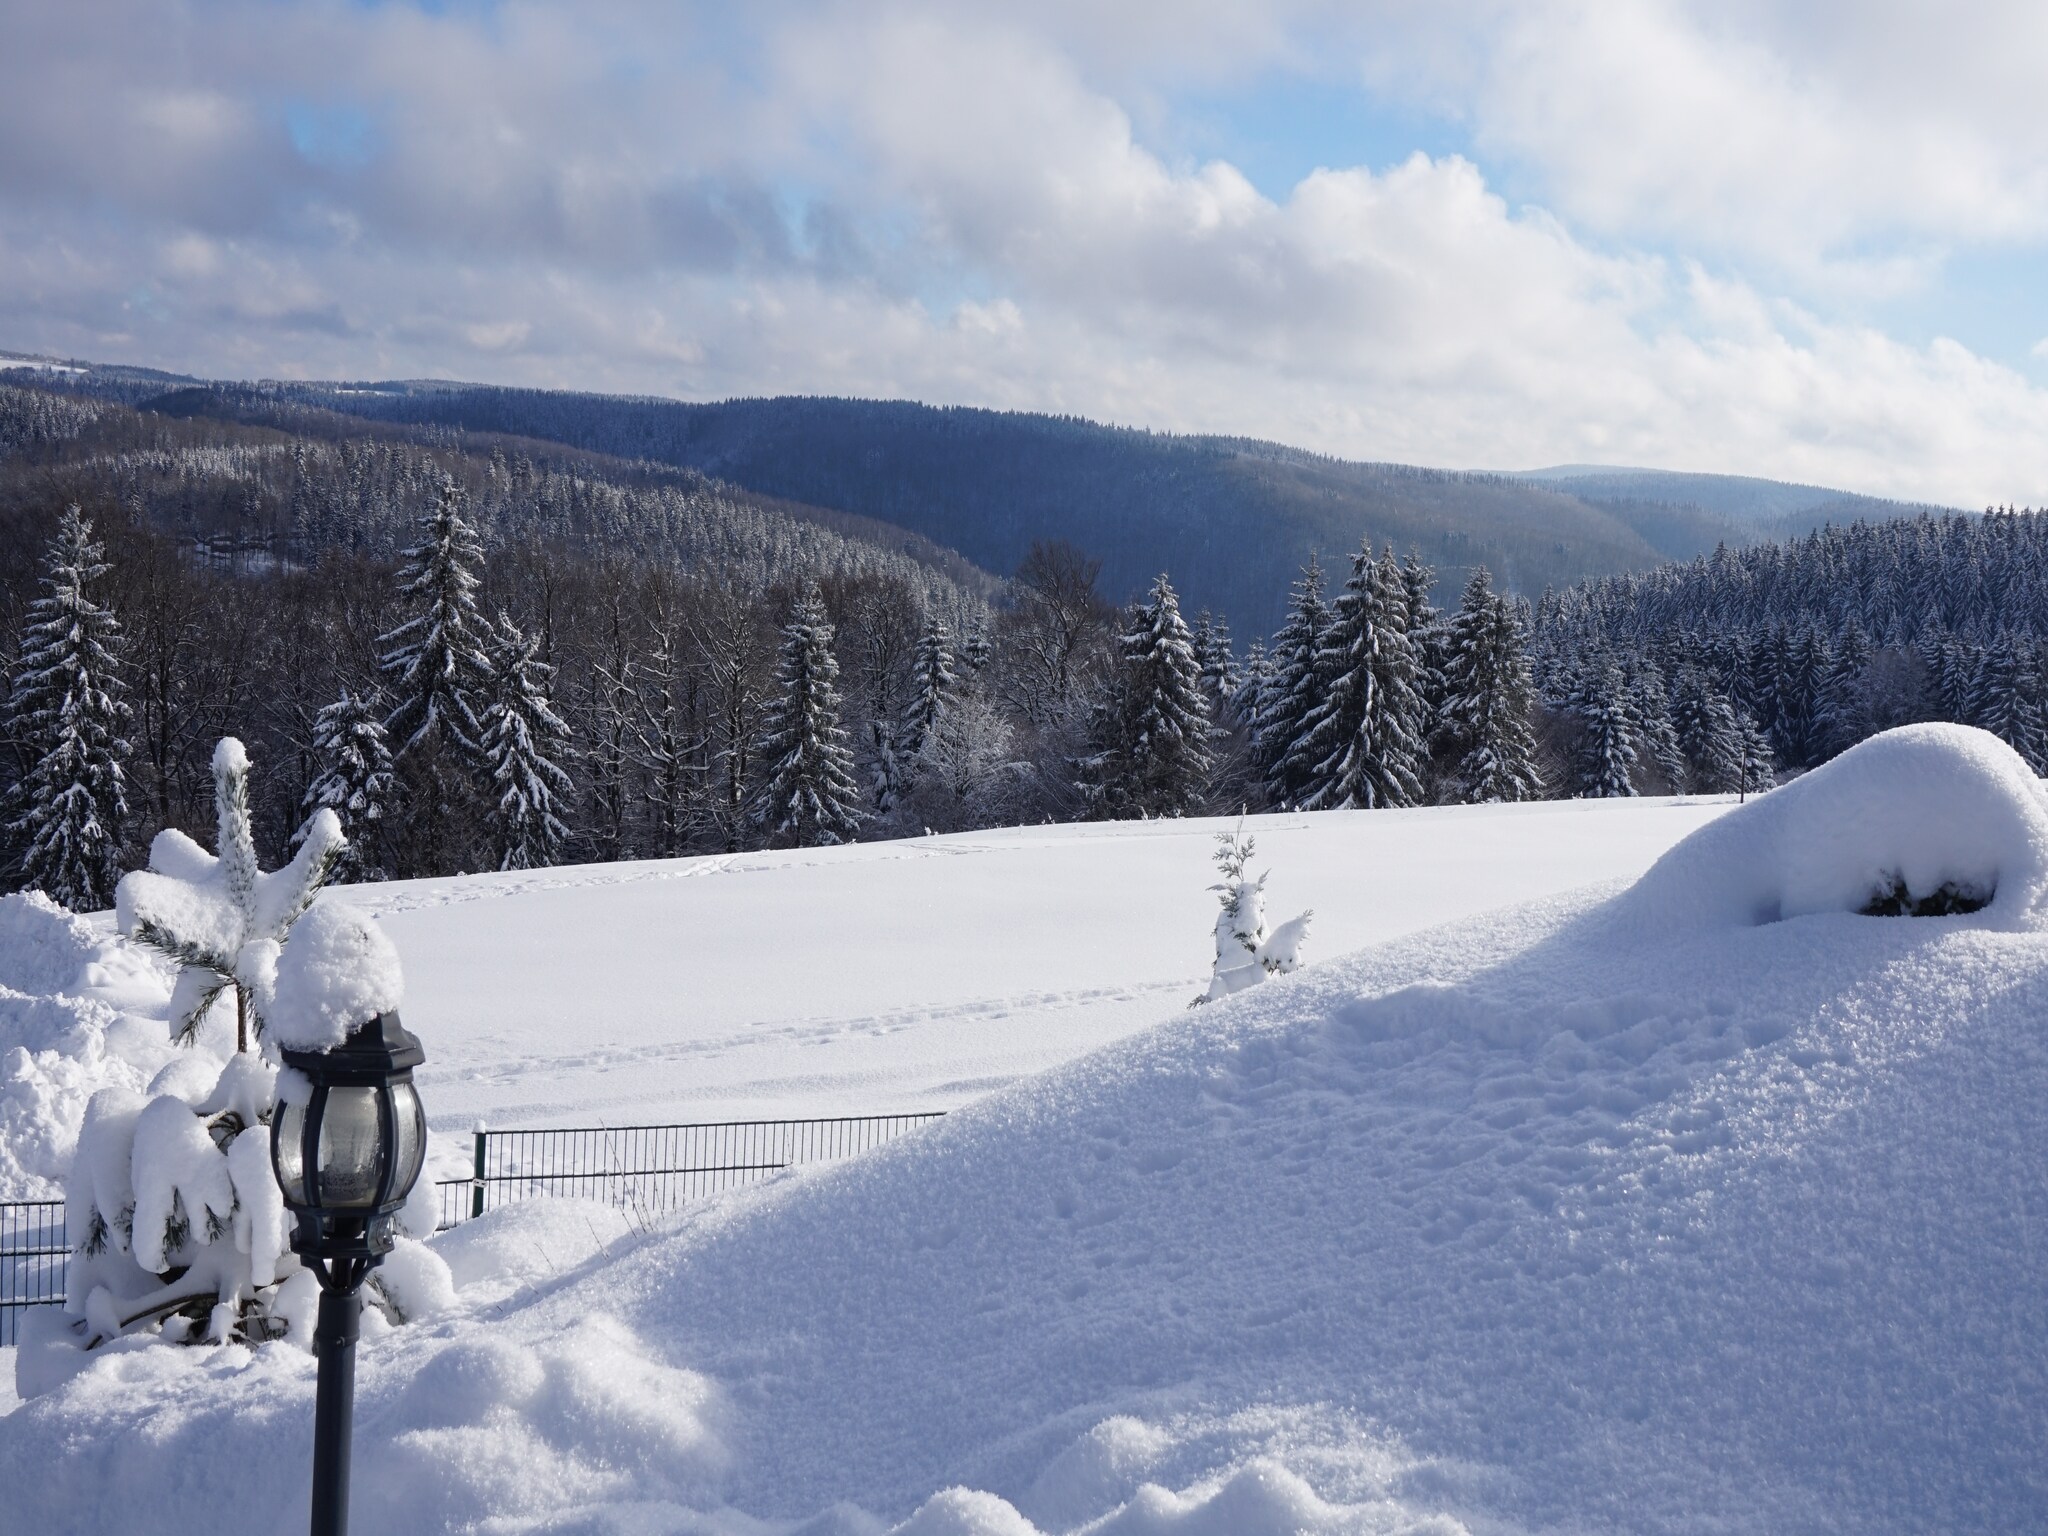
{"x":354,"y":782}
{"x":1246,"y":952}
{"x":67,"y":719}
{"x":1364,"y":743}
{"x":1483,"y":727}
{"x":933,"y":687}
{"x":1605,"y":753}
{"x":1293,"y":690}
{"x":435,"y":660}
{"x":523,"y":742}
{"x":670,"y":755}
{"x":810,"y":797}
{"x":1150,"y":752}
{"x":219,"y":915}
{"x":1217,"y":660}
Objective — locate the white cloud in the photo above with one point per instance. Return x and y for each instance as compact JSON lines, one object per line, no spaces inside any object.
{"x":952,"y":205}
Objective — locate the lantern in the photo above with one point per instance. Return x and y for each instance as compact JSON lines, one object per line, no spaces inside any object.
{"x":347,"y":1141}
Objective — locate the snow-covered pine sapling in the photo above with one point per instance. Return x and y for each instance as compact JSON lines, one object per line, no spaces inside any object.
{"x":221,"y":918}
{"x":1246,"y":951}
{"x":172,"y":1196}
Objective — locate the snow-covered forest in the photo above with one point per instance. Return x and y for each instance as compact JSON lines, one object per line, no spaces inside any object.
{"x":500,"y":654}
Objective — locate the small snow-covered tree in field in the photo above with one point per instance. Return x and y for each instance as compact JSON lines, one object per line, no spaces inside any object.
{"x":810,"y":797}
{"x":1150,"y":752}
{"x":219,"y":916}
{"x":1483,"y":726}
{"x":68,"y":720}
{"x":522,"y":740}
{"x":354,"y":782}
{"x":1246,"y":952}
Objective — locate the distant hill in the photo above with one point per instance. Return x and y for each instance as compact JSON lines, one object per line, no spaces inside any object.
{"x":1232,"y":519}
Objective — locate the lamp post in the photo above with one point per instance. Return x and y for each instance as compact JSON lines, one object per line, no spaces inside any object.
{"x":347,"y":1144}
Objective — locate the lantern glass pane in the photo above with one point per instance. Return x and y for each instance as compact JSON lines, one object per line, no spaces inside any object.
{"x":411,"y":1123}
{"x":349,"y":1149}
{"x":289,"y":1152}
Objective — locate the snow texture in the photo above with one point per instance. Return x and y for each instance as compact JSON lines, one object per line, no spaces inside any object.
{"x":337,"y":972}
{"x":1600,"y":1214}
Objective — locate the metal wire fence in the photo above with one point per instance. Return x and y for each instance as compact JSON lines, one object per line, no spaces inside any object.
{"x":655,"y":1168}
{"x":648,"y":1169}
{"x":33,"y":1255}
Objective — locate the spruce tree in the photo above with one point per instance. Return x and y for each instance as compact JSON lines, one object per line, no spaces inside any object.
{"x":1708,"y":733}
{"x":522,"y":741}
{"x":1604,"y":761}
{"x":1483,"y":726}
{"x":670,"y":755}
{"x":68,"y":718}
{"x":435,"y":659}
{"x":810,"y":798}
{"x":354,"y":782}
{"x":1296,"y":688}
{"x":932,"y":685}
{"x":1365,"y":738}
{"x":1150,"y":737}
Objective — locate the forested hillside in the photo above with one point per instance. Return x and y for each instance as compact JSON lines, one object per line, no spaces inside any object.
{"x":1233,"y":518}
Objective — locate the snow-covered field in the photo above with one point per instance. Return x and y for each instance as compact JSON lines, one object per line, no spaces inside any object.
{"x":1692,"y":1204}
{"x":912,"y":975}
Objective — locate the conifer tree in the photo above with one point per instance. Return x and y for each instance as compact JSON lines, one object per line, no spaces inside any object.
{"x":1708,"y":733}
{"x":1248,"y":700}
{"x":1428,"y":638}
{"x":810,"y":798}
{"x":1365,"y":739}
{"x":522,"y":741}
{"x":670,"y":755}
{"x":932,"y":685}
{"x":354,"y":782}
{"x":1296,"y":688}
{"x":1216,"y":661}
{"x":1603,"y":765}
{"x":611,"y":714}
{"x":1483,"y":726}
{"x":1150,"y":736}
{"x":68,"y":719}
{"x":435,"y":660}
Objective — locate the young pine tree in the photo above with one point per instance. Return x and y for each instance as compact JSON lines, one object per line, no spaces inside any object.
{"x":354,"y":782}
{"x":522,"y":740}
{"x":810,"y":798}
{"x":1150,"y":738}
{"x":1365,"y":739}
{"x":1483,"y":725}
{"x":1708,"y":732}
{"x":68,"y":719}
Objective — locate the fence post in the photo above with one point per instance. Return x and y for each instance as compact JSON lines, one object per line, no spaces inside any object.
{"x":476,"y":1183}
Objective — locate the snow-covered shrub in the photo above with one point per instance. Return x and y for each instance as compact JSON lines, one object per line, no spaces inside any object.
{"x":1930,"y":820}
{"x":1246,"y":953}
{"x":171,"y":1203}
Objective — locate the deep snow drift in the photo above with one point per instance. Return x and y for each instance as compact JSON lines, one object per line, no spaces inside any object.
{"x":1616,"y":1212}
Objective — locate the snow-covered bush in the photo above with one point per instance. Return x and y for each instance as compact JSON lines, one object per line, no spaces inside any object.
{"x":172,"y":1205}
{"x":1246,"y":953}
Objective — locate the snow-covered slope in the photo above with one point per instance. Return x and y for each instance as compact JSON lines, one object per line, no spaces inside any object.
{"x":915,"y":974}
{"x":1615,"y":1212}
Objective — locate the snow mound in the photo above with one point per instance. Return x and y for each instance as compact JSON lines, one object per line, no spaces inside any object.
{"x":336,"y":972}
{"x":1924,"y":806}
{"x":43,"y":947}
{"x":66,"y":1031}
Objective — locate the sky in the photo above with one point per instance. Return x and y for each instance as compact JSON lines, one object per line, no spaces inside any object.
{"x":1808,"y":242}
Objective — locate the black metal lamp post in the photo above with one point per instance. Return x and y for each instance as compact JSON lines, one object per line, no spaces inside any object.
{"x":346,"y":1158}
